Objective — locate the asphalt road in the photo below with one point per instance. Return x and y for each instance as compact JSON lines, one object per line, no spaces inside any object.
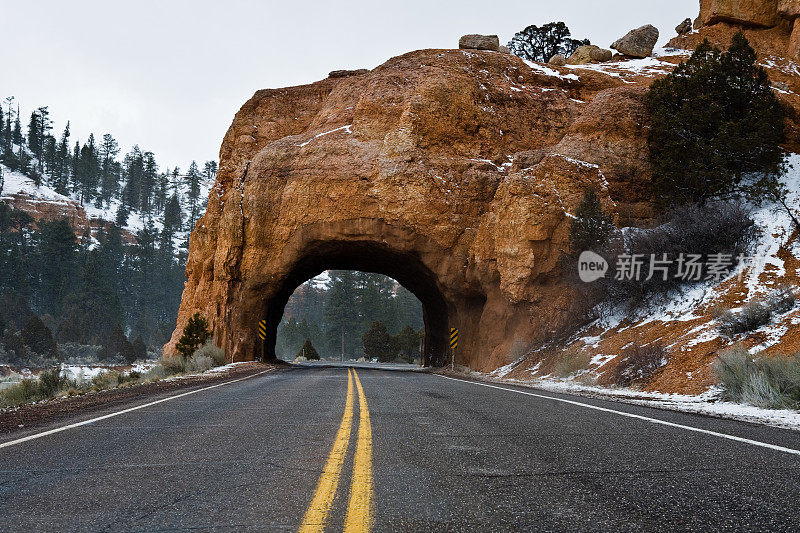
{"x":399,"y":451}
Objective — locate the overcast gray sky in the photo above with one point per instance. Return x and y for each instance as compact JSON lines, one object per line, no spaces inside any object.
{"x":169,"y":75}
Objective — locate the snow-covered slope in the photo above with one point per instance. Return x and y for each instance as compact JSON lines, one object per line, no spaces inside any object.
{"x":685,"y":323}
{"x":44,"y":203}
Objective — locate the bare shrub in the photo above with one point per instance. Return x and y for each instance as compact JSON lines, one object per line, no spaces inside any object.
{"x":638,"y":364}
{"x":782,"y":299}
{"x":732,"y":369}
{"x":751,"y":317}
{"x":719,"y":311}
{"x":173,"y":363}
{"x":716,"y":228}
{"x":756,"y":313}
{"x":106,"y":380}
{"x":50,"y":383}
{"x":209,"y":349}
{"x":199,"y":363}
{"x":570,"y":362}
{"x":24,"y":391}
{"x":759,"y":391}
{"x":154,"y":374}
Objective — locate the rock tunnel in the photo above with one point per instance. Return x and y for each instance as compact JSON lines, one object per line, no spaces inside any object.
{"x":451,"y":171}
{"x":366,"y":256}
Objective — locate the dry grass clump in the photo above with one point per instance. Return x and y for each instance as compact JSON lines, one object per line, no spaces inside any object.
{"x":570,"y":362}
{"x":53,"y":383}
{"x":199,"y":363}
{"x":760,"y":380}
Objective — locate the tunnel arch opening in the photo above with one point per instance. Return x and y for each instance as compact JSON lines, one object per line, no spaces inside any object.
{"x":366,"y":256}
{"x":337,"y":309}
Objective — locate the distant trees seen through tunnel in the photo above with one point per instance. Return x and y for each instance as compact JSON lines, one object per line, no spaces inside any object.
{"x":336,"y":309}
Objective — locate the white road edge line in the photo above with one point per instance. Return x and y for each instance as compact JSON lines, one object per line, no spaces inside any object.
{"x":639,"y":417}
{"x":117,"y":413}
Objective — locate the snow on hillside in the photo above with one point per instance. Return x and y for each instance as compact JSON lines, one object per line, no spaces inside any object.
{"x":775,"y":233}
{"x":16,"y":185}
{"x":627,"y":69}
{"x":684,"y":324}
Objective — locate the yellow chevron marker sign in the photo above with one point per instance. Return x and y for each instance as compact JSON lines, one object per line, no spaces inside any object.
{"x":453,"y":338}
{"x":262,"y":330}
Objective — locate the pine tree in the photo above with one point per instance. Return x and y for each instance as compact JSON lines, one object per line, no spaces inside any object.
{"x":33,"y":134}
{"x":76,"y":167}
{"x":195,"y":334}
{"x":210,"y":171}
{"x":89,"y":168}
{"x":116,"y":344}
{"x":44,"y":126}
{"x":172,"y":220}
{"x":96,"y":295}
{"x":108,"y":151}
{"x":378,"y":344}
{"x":113,"y":251}
{"x":161,"y":192}
{"x":715,"y":122}
{"x":591,"y":227}
{"x":73,"y":328}
{"x":134,"y":171}
{"x":193,"y":181}
{"x":7,"y":131}
{"x":536,"y":43}
{"x":408,"y":343}
{"x":149,"y":177}
{"x":57,"y":257}
{"x":139,"y":349}
{"x":308,"y":351}
{"x":342,"y":321}
{"x":121,"y":218}
{"x":39,"y":338}
{"x":16,"y":136}
{"x":49,"y":155}
{"x":60,"y":173}
{"x":176,"y":182}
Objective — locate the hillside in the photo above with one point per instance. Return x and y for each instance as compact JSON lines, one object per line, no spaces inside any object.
{"x":459,"y":173}
{"x":687,"y":325}
{"x":43,"y":203}
{"x":92,"y":244}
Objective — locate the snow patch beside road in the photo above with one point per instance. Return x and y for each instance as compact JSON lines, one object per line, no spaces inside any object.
{"x":709,"y":403}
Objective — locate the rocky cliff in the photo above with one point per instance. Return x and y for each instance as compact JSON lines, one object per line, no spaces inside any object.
{"x":454,"y":171}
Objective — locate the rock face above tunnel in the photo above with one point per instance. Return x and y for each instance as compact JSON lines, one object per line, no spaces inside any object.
{"x":771,"y":25}
{"x":763,"y":13}
{"x":407,"y":170}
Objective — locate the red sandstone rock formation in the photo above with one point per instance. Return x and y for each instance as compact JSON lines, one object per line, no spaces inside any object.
{"x":407,"y":170}
{"x":781,"y":15}
{"x":453,"y":171}
{"x":46,"y":210}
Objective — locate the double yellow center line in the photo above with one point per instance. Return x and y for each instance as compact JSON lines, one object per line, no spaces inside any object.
{"x":360,"y":500}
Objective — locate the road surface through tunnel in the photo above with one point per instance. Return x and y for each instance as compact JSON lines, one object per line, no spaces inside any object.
{"x":372,"y":257}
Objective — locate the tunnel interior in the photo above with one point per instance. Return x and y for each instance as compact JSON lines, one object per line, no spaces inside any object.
{"x":367,"y":256}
